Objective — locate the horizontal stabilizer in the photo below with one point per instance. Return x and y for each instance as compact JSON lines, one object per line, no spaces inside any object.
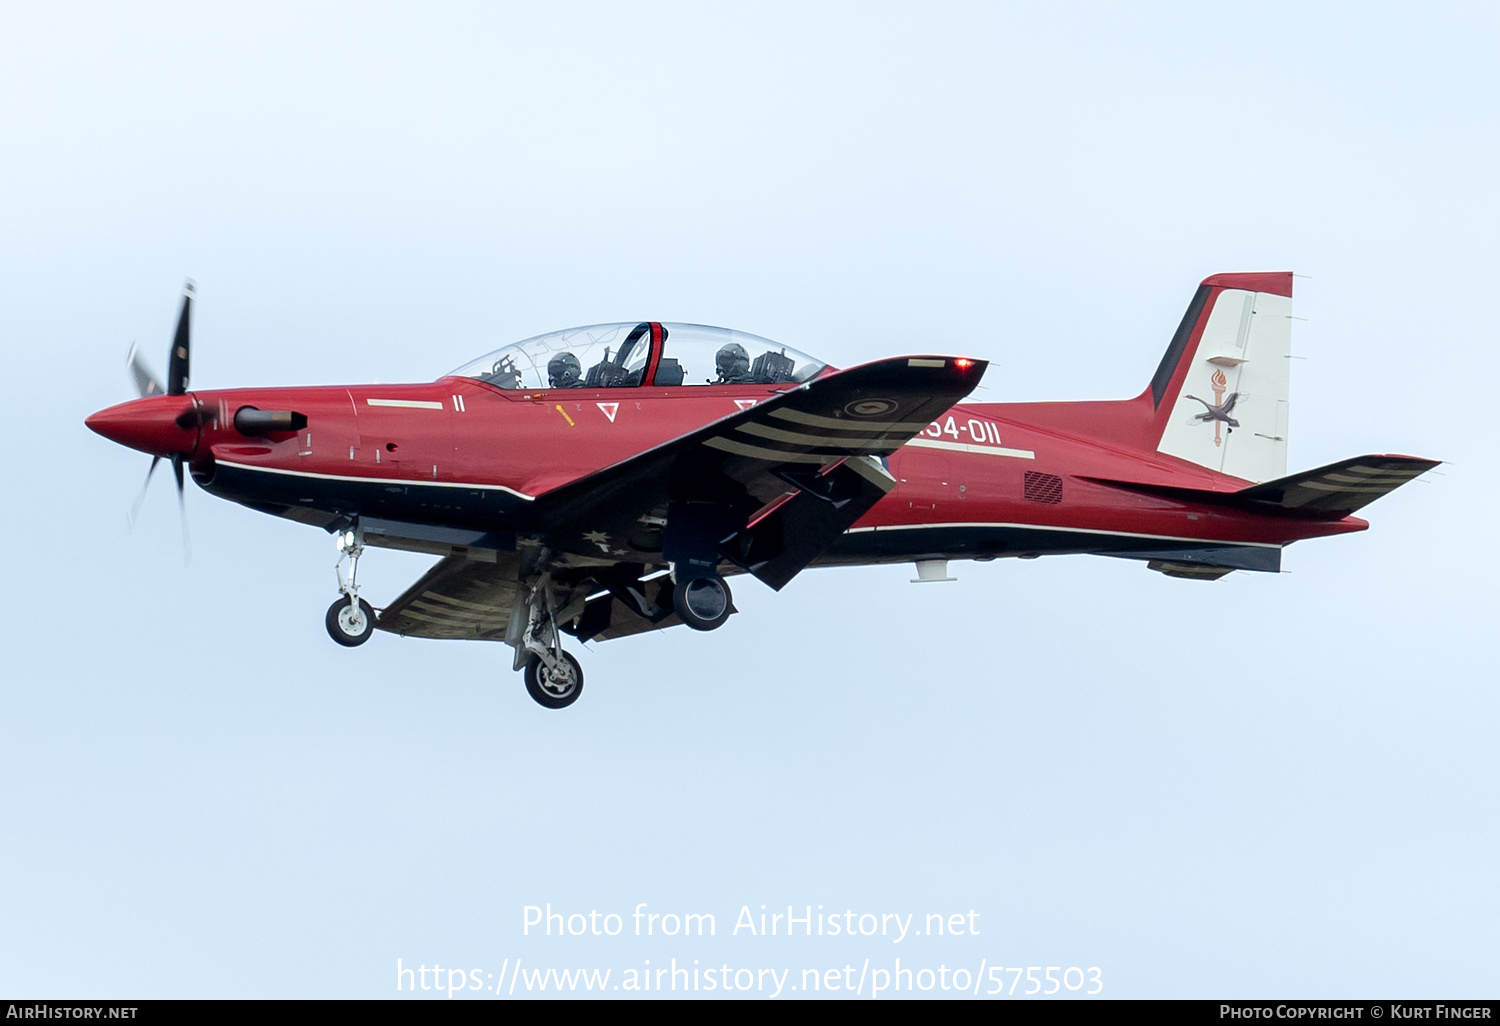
{"x":1332,"y":491}
{"x":1341,"y":487}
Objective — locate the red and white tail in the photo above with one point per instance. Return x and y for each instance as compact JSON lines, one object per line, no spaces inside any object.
{"x":1220,"y":393}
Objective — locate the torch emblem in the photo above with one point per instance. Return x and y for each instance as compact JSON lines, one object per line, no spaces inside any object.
{"x":1220,"y":409}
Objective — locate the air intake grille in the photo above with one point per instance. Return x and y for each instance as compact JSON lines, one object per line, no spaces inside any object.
{"x":1043,"y":487}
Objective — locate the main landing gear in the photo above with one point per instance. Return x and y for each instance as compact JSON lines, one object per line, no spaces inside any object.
{"x":350,"y":620}
{"x":695,"y":533}
{"x":703,"y":603}
{"x":557,"y":686}
{"x":553,"y":677}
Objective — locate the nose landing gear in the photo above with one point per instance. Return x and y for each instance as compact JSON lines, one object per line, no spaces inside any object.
{"x":350,"y":624}
{"x":350,"y":620}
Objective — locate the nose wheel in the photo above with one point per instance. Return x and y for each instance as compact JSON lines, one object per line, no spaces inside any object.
{"x":557,"y":686}
{"x":350,"y":624}
{"x":350,"y":620}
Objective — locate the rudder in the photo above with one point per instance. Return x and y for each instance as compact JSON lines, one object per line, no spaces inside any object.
{"x":1221,"y":391}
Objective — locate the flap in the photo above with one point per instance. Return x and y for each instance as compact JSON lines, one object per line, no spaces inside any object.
{"x":458,"y":598}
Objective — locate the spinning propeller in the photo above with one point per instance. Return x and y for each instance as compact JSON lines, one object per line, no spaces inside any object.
{"x":147,"y":385}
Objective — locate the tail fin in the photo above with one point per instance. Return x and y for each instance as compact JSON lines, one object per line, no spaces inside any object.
{"x":1220,"y":394}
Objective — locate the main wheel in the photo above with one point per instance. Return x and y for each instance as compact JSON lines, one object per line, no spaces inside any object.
{"x":554,"y":688}
{"x":348,"y":626}
{"x":703,"y":603}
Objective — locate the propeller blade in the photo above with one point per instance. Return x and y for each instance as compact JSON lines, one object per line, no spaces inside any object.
{"x":145,"y":382}
{"x":135,"y":508}
{"x":187,"y":549}
{"x":177,"y":363}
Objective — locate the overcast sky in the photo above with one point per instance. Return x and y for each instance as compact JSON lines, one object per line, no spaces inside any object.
{"x":1271,"y":785}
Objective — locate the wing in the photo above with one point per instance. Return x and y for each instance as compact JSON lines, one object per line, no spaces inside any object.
{"x":462,"y":598}
{"x":459,"y":597}
{"x":789,"y":474}
{"x":786,"y":476}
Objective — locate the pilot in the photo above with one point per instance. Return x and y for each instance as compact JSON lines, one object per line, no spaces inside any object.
{"x":564,"y":371}
{"x":733,"y":364}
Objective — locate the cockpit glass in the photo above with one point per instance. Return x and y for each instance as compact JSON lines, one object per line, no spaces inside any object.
{"x":696,"y":354}
{"x":617,"y":355}
{"x":599,"y":356}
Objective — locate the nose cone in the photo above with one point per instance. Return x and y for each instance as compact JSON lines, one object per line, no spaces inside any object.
{"x":150,"y":425}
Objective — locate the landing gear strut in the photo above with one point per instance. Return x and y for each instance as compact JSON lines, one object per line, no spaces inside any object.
{"x":553,"y":677}
{"x":691,"y":547}
{"x":350,"y":620}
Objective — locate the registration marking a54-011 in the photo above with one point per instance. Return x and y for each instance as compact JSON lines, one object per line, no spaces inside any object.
{"x":983,"y":438}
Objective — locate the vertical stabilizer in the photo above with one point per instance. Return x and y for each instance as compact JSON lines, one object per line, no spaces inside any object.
{"x":1221,"y":390}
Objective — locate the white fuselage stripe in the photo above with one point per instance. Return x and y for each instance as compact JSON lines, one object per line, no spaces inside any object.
{"x":406,"y":404}
{"x":378,"y":480}
{"x":852,"y":530}
{"x":1067,"y":530}
{"x":978,"y":450}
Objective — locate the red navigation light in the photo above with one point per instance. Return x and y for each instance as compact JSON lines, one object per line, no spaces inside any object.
{"x":963,"y":364}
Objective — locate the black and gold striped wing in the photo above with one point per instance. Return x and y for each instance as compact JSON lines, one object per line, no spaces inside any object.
{"x":796,"y":470}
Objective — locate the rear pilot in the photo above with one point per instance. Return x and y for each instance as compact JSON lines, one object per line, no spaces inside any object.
{"x":564,"y":371}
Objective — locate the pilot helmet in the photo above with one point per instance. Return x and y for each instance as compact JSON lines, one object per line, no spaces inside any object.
{"x":732,"y":362}
{"x":564,"y":371}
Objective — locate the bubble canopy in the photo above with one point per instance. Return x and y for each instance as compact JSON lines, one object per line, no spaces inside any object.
{"x":630,"y":354}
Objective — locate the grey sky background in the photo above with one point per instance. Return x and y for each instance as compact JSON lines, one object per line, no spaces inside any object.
{"x":1265,"y":786}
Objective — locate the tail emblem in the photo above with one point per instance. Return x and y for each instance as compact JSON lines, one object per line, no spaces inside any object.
{"x":1221,"y":408}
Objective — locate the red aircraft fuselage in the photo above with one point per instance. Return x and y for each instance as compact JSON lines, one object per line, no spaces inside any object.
{"x":987,"y":479}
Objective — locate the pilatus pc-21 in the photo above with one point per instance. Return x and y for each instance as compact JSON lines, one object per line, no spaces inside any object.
{"x":604,"y":481}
